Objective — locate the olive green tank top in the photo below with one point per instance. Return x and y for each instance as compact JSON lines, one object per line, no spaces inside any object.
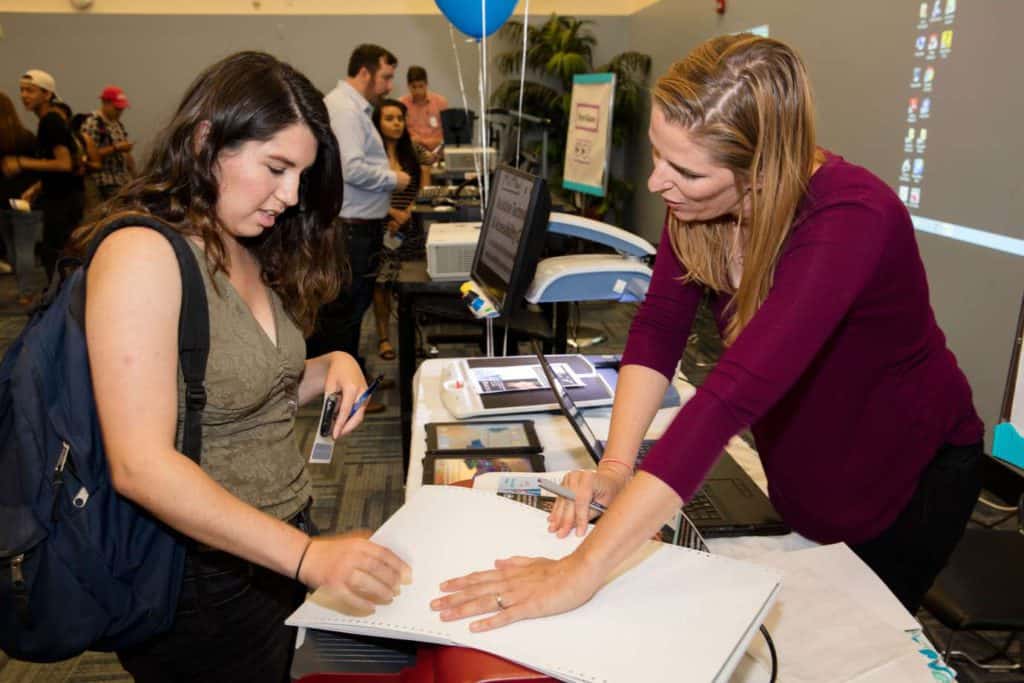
{"x":248,"y":425}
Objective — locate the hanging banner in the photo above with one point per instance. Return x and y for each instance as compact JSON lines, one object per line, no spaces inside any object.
{"x":588,"y":145}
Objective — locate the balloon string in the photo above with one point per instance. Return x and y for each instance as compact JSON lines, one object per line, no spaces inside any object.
{"x":465,"y":99}
{"x":522,"y":79}
{"x":484,"y":132}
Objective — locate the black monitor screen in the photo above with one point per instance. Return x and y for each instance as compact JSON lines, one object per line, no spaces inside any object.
{"x":511,"y":237}
{"x":457,"y":126}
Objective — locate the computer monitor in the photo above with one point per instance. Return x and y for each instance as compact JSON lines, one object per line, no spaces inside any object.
{"x":511,"y":237}
{"x":457,"y":126}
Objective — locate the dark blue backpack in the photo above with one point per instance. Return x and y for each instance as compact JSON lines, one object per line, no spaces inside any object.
{"x":81,"y":567}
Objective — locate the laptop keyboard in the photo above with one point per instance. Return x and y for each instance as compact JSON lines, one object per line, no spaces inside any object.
{"x":644,"y":447}
{"x":702,"y":508}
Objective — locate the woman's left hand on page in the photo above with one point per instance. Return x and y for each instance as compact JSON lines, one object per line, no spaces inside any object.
{"x":518,"y":588}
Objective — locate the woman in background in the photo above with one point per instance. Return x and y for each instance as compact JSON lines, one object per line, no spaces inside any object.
{"x":402,"y":242}
{"x":20,"y":226}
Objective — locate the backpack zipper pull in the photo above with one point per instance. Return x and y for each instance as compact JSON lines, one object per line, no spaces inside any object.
{"x":58,"y":477}
{"x":17,"y":575}
{"x":19,"y":590}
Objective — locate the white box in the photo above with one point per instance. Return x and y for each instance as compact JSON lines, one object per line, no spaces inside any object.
{"x":450,"y":250}
{"x":467,"y":159}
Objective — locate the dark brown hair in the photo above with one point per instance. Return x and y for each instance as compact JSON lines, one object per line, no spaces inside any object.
{"x":247,"y":96}
{"x":14,"y":137}
{"x":368,"y":55}
{"x":416,"y":73}
{"x":404,"y":149}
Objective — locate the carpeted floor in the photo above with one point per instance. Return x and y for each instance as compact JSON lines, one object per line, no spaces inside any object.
{"x":364,"y":484}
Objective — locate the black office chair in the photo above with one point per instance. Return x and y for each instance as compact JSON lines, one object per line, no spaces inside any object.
{"x":982,"y":587}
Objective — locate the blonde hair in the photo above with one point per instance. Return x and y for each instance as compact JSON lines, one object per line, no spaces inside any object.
{"x":747,"y":101}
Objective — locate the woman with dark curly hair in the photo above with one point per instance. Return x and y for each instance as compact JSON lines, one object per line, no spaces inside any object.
{"x":248,"y":170}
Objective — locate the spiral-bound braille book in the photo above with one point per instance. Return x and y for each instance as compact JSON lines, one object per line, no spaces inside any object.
{"x":668,"y":614}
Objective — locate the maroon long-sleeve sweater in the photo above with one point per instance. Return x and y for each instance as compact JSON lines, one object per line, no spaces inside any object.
{"x":843,"y":374}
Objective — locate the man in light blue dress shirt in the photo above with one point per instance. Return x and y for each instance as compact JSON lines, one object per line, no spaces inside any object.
{"x":369,"y":181}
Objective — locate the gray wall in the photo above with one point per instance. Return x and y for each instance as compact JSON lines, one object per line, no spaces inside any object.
{"x":854,"y":52}
{"x":860,"y":55}
{"x":155,"y":57}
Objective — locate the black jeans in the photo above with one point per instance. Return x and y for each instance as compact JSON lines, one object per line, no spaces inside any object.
{"x":339,"y":322}
{"x":61,"y":215}
{"x":229,"y":625}
{"x":913,"y":550}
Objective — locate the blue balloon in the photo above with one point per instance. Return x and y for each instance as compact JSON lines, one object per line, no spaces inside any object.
{"x":466,"y":15}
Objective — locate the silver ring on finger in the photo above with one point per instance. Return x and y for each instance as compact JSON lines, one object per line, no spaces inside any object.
{"x":497,"y":599}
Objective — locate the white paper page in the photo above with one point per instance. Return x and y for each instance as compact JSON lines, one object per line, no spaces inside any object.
{"x":824,"y":632}
{"x":848,"y":572}
{"x":677,"y":606}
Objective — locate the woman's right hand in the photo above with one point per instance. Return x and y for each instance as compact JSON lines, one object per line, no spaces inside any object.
{"x":357,"y":573}
{"x":587,"y":485}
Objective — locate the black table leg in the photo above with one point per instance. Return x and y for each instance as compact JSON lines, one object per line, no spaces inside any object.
{"x":406,"y":368}
{"x":561,"y":326}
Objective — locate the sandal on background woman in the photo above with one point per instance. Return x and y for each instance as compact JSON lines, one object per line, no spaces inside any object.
{"x":385,"y":350}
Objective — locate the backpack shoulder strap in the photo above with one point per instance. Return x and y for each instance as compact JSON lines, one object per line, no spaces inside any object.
{"x":193,"y":323}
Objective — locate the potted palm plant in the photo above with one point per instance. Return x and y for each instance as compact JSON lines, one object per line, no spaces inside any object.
{"x":557,"y":50}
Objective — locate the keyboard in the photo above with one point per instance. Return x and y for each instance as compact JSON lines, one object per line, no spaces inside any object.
{"x":702,"y":508}
{"x":645,"y":446}
{"x":544,"y":503}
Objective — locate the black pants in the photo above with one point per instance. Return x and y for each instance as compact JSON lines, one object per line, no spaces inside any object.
{"x":339,"y":322}
{"x":913,"y":550}
{"x":229,"y":625}
{"x":61,"y":215}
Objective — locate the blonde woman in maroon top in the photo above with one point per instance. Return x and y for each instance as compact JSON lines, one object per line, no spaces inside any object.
{"x":863,"y":421}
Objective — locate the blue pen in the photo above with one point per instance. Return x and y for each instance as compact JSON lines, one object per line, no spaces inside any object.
{"x":363,"y":397}
{"x":568,"y":494}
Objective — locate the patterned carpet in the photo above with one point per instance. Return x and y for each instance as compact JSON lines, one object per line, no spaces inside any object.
{"x":363,"y":485}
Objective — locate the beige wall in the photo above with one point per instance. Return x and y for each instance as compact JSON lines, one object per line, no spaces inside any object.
{"x":155,"y":57}
{"x":308,"y":7}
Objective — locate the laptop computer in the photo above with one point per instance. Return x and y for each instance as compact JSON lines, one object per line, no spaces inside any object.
{"x":729,"y":503}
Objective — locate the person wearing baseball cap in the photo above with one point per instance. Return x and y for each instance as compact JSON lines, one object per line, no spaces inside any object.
{"x":58,"y":199}
{"x":41,"y":80}
{"x":115,"y":97}
{"x":106,"y":130}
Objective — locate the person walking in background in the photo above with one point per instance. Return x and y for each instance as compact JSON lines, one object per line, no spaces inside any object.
{"x":368,"y":183}
{"x":248,"y":171}
{"x":107,"y":131}
{"x":401,"y":241}
{"x":20,"y":225}
{"x":52,"y":163}
{"x":84,"y":157}
{"x":423,"y":117}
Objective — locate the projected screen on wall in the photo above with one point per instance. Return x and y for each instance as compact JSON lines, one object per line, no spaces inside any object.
{"x":955,"y":172}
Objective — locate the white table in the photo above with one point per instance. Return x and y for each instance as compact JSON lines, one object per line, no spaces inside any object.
{"x":564,"y":451}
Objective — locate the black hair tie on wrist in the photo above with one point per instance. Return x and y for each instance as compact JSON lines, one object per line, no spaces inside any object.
{"x":302,"y":557}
